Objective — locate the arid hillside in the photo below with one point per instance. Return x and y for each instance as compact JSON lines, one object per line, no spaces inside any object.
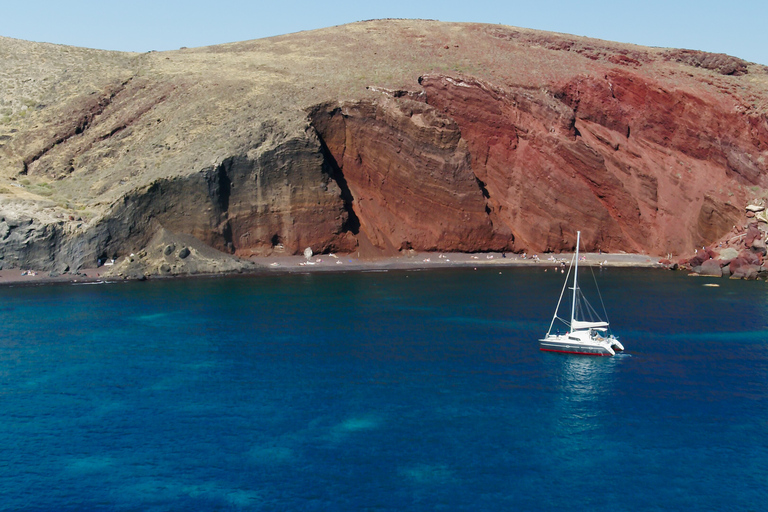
{"x":378,"y":137}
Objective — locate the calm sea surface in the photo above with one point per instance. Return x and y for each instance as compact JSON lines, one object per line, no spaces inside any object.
{"x":405,"y":391}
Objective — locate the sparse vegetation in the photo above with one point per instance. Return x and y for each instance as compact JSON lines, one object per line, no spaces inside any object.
{"x":41,"y":189}
{"x":116,"y":122}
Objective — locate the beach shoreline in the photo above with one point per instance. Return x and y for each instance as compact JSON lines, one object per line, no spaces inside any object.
{"x":270,"y":265}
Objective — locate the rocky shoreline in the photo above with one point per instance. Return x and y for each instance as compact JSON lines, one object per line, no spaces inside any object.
{"x":740,"y":255}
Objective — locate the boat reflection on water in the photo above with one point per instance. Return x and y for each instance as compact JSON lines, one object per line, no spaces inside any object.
{"x":583,"y":389}
{"x":585,"y":378}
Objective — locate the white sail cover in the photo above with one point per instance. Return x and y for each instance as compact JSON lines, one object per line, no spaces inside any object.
{"x":577,"y":325}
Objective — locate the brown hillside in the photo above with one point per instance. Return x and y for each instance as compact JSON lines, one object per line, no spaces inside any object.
{"x":384,"y":135}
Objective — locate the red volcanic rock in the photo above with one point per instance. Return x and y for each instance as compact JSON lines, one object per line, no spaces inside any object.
{"x":409,"y":175}
{"x":750,"y":257}
{"x":753,"y":233}
{"x":743,"y":268}
{"x":596,"y":152}
{"x":626,"y":159}
{"x":702,"y":255}
{"x":535,"y":171}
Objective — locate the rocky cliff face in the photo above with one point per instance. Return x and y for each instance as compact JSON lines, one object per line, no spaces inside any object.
{"x":408,"y":176}
{"x":618,"y":154}
{"x":377,"y":137}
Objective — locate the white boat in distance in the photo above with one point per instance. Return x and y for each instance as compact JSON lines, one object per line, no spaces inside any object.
{"x":589,"y":337}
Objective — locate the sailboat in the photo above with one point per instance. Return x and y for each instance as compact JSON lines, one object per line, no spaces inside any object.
{"x":584,"y":336}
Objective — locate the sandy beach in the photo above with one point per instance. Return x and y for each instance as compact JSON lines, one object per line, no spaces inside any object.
{"x":334,"y":262}
{"x":351,"y":263}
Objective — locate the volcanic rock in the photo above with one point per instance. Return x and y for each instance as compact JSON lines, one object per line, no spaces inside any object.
{"x":702,"y":255}
{"x":201,"y":260}
{"x":741,"y":268}
{"x":750,"y":257}
{"x":753,"y":233}
{"x":380,"y":137}
{"x":711,"y":268}
{"x":727,"y":254}
{"x":758,"y":246}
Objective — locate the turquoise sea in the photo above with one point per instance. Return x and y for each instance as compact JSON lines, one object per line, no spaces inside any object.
{"x":398,"y":390}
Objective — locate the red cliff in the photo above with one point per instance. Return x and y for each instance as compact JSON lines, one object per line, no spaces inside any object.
{"x":381,"y":137}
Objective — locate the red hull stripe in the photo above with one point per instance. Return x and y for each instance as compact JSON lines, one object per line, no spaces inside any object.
{"x":569,"y":352}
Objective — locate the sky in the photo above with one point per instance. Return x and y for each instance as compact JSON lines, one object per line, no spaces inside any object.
{"x":735,"y":27}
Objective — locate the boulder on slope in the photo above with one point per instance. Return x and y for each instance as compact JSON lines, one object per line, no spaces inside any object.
{"x":711,"y":267}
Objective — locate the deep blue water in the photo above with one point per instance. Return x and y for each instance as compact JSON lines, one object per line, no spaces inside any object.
{"x":381,"y":391}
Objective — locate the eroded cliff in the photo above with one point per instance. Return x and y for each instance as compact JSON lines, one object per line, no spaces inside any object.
{"x":377,"y":137}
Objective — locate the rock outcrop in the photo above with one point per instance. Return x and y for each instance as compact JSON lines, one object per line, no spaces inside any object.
{"x":740,"y":254}
{"x":408,"y":175}
{"x":377,"y":137}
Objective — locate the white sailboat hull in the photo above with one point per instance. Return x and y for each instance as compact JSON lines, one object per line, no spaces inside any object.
{"x":567,"y":344}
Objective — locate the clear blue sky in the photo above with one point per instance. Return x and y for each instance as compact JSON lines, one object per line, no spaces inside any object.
{"x":736,"y":27}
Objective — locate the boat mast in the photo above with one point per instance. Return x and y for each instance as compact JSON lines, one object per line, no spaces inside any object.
{"x":575,"y":271}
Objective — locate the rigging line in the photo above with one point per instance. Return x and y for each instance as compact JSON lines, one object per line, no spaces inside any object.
{"x":586,"y":309}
